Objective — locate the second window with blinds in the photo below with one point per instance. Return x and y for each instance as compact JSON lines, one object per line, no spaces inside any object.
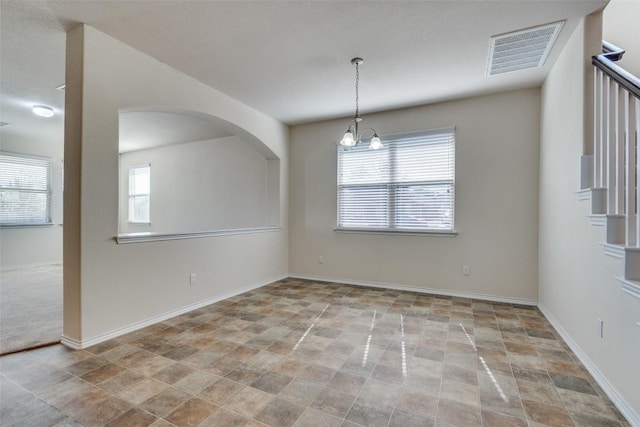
{"x":140,"y":194}
{"x":407,"y":186}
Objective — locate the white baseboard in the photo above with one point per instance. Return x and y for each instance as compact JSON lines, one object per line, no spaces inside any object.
{"x":609,"y":389}
{"x":34,"y":265}
{"x":71,"y":343}
{"x":85,"y":343}
{"x":432,"y":291}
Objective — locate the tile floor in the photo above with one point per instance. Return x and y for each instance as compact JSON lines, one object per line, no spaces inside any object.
{"x":301,"y":353}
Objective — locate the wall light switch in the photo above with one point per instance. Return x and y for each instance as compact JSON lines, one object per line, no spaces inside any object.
{"x":601,"y":328}
{"x":193,"y":279}
{"x":465,"y":270}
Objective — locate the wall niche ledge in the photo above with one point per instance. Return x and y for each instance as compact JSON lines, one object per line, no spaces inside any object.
{"x":158,"y":237}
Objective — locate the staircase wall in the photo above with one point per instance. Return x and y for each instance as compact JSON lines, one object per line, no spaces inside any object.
{"x":577,"y":281}
{"x":620,"y":26}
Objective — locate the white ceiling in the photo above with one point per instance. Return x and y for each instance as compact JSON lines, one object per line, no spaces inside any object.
{"x":288,"y":59}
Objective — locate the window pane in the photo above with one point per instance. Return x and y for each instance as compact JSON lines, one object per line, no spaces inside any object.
{"x":139,"y":209}
{"x":29,"y":176}
{"x":425,"y":207}
{"x":25,"y":190}
{"x":430,"y":162}
{"x":363,"y":166}
{"x":23,"y":208}
{"x":139,"y":180}
{"x":364,"y":207}
{"x":139,"y":194}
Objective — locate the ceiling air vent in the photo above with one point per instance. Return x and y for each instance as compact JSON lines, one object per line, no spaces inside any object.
{"x":522,"y":49}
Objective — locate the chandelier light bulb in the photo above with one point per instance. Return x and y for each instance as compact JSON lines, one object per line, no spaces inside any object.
{"x":42,"y":111}
{"x":375,"y":144}
{"x":348,"y":139}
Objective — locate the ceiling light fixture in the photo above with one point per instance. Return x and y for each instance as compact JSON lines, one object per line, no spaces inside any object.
{"x":351,"y":137}
{"x":42,"y":111}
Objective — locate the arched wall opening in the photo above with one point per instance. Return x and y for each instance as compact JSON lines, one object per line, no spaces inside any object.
{"x":201,"y":174}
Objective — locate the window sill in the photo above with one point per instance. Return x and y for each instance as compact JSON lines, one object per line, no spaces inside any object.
{"x":48,"y":224}
{"x":397,"y":232}
{"x":158,"y":237}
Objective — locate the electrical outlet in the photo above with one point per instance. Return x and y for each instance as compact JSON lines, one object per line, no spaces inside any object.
{"x":465,"y":270}
{"x":321,"y":259}
{"x":193,"y":279}
{"x":601,"y":328}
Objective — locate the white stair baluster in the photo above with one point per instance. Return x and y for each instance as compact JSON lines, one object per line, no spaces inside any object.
{"x":599,"y":136}
{"x":611,"y":147}
{"x":634,"y":126}
{"x":619,"y":138}
{"x":630,"y":177}
{"x":596,"y":128}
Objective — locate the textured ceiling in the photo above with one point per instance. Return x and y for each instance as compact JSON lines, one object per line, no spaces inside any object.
{"x":288,"y":59}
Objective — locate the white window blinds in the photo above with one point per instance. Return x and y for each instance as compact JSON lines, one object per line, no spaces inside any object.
{"x":25,"y":190}
{"x":407,"y":185}
{"x":140,"y":194}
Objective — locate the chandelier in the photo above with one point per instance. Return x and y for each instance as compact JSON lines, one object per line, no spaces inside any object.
{"x":352,"y":136}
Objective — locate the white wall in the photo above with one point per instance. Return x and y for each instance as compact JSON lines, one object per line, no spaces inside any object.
{"x":200,"y":186}
{"x":497,"y":141}
{"x":621,"y":26}
{"x":577,"y":281}
{"x":111,"y":287}
{"x":24,"y":246}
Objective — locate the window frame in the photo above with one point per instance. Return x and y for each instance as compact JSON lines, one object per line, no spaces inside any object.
{"x":38,"y":161}
{"x":132,"y":196}
{"x":394,"y":186}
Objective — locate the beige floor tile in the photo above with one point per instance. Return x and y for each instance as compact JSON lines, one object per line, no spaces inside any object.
{"x":458,"y":413}
{"x":249,"y":401}
{"x":191,"y":413}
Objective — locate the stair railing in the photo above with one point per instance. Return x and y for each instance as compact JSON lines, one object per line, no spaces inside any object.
{"x":616,"y":157}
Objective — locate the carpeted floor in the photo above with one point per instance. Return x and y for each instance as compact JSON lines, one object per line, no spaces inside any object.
{"x":30,"y":307}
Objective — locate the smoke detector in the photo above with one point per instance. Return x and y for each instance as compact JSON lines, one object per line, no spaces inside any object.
{"x":523,"y":49}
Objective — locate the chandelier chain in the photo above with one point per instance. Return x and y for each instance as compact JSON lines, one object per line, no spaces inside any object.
{"x":357,"y":87}
{"x":353,"y":136}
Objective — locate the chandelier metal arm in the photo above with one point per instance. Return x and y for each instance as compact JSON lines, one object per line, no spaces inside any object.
{"x":362,"y":132}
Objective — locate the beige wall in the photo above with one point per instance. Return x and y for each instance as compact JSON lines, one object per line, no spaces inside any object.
{"x":25,"y":246}
{"x":110,"y":288}
{"x":496,"y":218}
{"x":200,"y":186}
{"x":577,"y":284}
{"x":621,"y":26}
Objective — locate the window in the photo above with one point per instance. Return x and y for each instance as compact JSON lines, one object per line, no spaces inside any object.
{"x":139,"y":194}
{"x":406,"y":186}
{"x":25,"y":190}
